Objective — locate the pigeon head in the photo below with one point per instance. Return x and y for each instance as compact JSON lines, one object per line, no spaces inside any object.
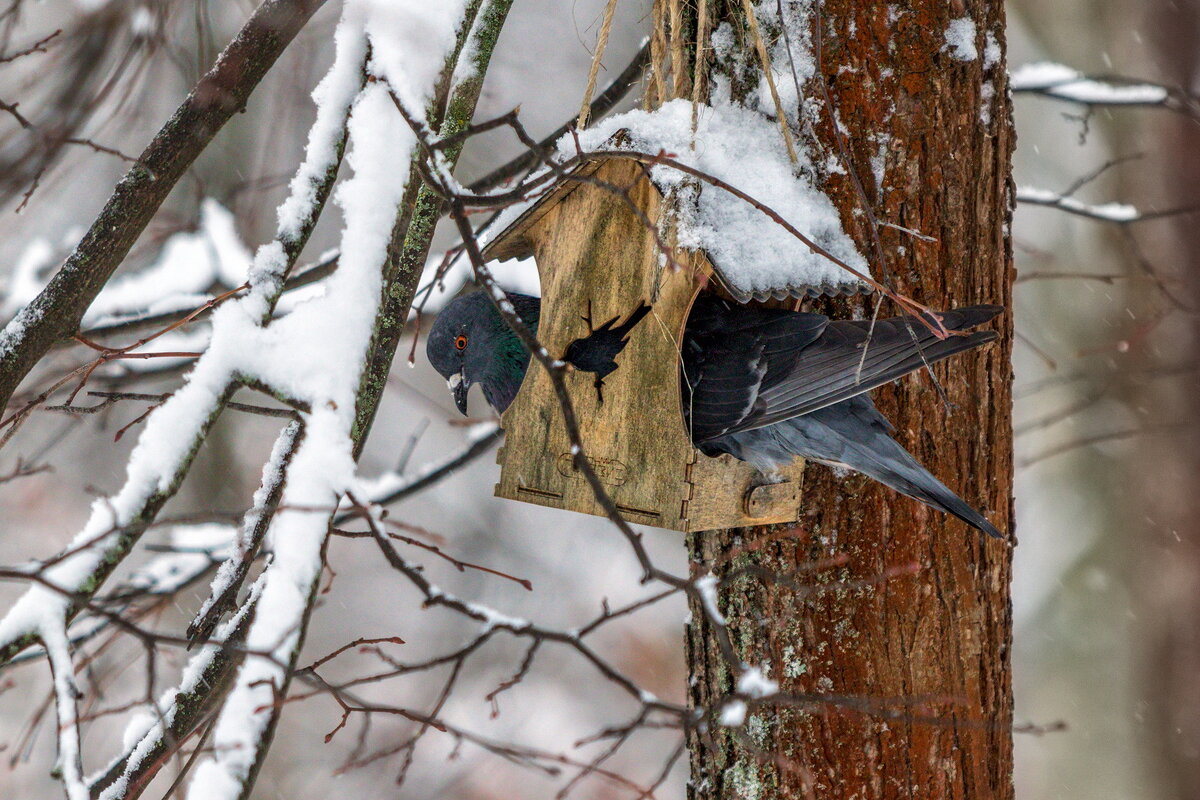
{"x":471,"y":344}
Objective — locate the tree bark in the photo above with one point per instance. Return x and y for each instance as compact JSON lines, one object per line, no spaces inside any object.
{"x":902,"y":636}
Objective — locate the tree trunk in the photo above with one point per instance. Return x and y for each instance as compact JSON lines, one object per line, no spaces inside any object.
{"x":903,"y":635}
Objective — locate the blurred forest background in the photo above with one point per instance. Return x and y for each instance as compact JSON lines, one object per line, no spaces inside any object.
{"x":1107,"y":585}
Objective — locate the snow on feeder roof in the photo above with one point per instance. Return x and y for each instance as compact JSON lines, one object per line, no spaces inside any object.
{"x":753,"y":256}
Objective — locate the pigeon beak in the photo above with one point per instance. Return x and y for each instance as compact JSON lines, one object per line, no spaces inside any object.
{"x":459,"y":386}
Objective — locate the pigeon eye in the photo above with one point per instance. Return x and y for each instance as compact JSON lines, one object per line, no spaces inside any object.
{"x":460,"y":342}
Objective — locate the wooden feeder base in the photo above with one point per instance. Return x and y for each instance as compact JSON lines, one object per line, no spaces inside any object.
{"x":714,"y":493}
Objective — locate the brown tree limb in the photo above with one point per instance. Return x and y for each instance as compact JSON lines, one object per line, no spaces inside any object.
{"x":56,"y":312}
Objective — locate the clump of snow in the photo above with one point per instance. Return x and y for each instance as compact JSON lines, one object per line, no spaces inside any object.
{"x":752,"y":683}
{"x":733,"y":714}
{"x":991,"y":50}
{"x":409,"y":43}
{"x":141,"y":22}
{"x":706,"y":585}
{"x":791,"y":57}
{"x":1065,"y":83}
{"x":960,"y":39}
{"x":754,"y":255}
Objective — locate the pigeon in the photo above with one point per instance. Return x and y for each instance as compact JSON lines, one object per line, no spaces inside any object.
{"x":471,"y":343}
{"x":763,"y":385}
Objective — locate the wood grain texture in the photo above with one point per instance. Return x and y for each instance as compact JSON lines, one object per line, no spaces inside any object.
{"x":594,"y":252}
{"x":909,"y":638}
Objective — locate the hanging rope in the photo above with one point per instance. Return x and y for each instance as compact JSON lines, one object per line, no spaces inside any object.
{"x":601,"y":43}
{"x":679,"y":73}
{"x":656,"y":89}
{"x":765,"y":62}
{"x":699,"y":73}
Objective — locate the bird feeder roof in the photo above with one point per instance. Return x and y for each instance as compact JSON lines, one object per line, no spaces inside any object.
{"x":753,"y":256}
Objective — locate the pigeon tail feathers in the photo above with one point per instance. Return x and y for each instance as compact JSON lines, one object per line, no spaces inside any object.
{"x":854,"y":434}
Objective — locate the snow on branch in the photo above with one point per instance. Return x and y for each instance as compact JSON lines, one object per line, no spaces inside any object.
{"x":1106,"y":212}
{"x":172,"y":434}
{"x":190,"y":265}
{"x":52,"y":629}
{"x":242,"y":349}
{"x":1122,"y":213}
{"x":394,"y":486}
{"x":1061,"y":82}
{"x":151,"y":734}
{"x":317,"y":354}
{"x":55,"y":313}
{"x":234,"y":569}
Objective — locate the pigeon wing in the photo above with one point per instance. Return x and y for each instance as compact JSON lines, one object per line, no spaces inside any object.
{"x":730,"y":353}
{"x":834,"y":368}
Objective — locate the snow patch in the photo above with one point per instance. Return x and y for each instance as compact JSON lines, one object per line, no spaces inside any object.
{"x":754,"y":684}
{"x":960,"y":39}
{"x":706,"y":585}
{"x":733,"y":714}
{"x":991,"y":50}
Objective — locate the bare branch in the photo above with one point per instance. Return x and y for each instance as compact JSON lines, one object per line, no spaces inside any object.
{"x":37,"y":47}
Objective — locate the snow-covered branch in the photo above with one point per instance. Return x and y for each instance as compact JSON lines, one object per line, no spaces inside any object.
{"x":1106,"y":212}
{"x":55,"y":313}
{"x":1121,"y":213}
{"x":1060,"y":82}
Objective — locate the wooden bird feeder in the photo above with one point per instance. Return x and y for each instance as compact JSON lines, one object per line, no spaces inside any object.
{"x":597,"y":259}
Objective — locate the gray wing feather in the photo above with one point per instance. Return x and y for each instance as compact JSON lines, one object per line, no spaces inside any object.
{"x":834,"y":367}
